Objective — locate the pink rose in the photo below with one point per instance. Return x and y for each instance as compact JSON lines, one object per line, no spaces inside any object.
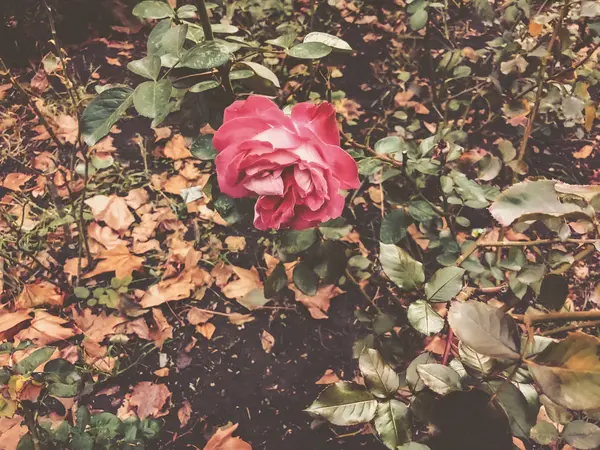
{"x":294,"y":164}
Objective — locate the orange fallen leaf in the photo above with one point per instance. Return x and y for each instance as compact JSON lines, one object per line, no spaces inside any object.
{"x":329,"y":377}
{"x":267,"y":341}
{"x":46,"y":329}
{"x":38,"y":294}
{"x":113,"y":61}
{"x":318,"y":304}
{"x":184,"y":413}
{"x":206,"y":329}
{"x":240,"y":319}
{"x":67,"y":128}
{"x":247,"y":281}
{"x":177,"y":148}
{"x":535,"y":28}
{"x":223,"y":440}
{"x":221,"y":272}
{"x":9,"y":323}
{"x":162,"y":133}
{"x":14,"y":181}
{"x":196,"y":316}
{"x":12,"y":430}
{"x":97,"y":327}
{"x":590,"y":116}
{"x":150,"y":399}
{"x":137,"y":198}
{"x":176,"y":288}
{"x":112,"y":210}
{"x":235,"y":243}
{"x":103,"y":235}
{"x":162,"y":330}
{"x":164,"y":372}
{"x":583,"y":152}
{"x":118,"y":260}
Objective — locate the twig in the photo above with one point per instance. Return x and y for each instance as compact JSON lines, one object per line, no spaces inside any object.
{"x":540,"y":82}
{"x":588,"y":324}
{"x":530,"y":319}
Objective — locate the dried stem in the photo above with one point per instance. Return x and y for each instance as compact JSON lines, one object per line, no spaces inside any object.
{"x":541,"y":80}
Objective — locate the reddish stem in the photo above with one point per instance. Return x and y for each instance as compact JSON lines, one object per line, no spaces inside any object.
{"x":448,"y":346}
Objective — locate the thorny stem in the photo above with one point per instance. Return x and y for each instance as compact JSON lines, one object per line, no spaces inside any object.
{"x":209,"y":36}
{"x":540,"y":81}
{"x":83,"y":242}
{"x":32,"y":104}
{"x":530,"y":319}
{"x":588,"y":324}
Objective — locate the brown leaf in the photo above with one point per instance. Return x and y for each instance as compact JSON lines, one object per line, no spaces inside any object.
{"x":206,"y":329}
{"x":38,"y":294}
{"x":176,"y":288}
{"x":318,"y":304}
{"x":10,"y":322}
{"x":103,"y":235}
{"x":14,"y":181}
{"x":46,"y":329}
{"x":240,"y":319}
{"x":12,"y":430}
{"x":162,"y":330}
{"x":535,"y":28}
{"x":67,"y":128}
{"x":162,"y":133}
{"x":583,"y":152}
{"x":136,"y":198}
{"x":235,"y":243}
{"x":118,"y":260}
{"x":113,"y":61}
{"x":150,"y":399}
{"x":329,"y":377}
{"x":223,"y":440}
{"x":112,"y":210}
{"x":221,"y":272}
{"x":247,"y":281}
{"x":590,"y":116}
{"x":196,"y":316}
{"x":184,"y":413}
{"x":176,"y":148}
{"x":97,"y":327}
{"x":267,"y":341}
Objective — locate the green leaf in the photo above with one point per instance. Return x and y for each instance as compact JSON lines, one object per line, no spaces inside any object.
{"x":554,"y":291}
{"x":26,"y":442}
{"x":568,"y":372}
{"x":382,"y":323}
{"x":331,"y":41}
{"x":103,"y":112}
{"x":506,"y":147}
{"x":424,"y":319}
{"x":531,"y":200}
{"x":335,"y":228}
{"x":206,"y":55}
{"x":154,"y":43}
{"x":514,"y":404}
{"x":81,"y":441}
{"x":390,"y":144}
{"x":241,"y":74}
{"x":283,"y":41}
{"x":82,"y":418}
{"x":582,"y":435}
{"x":151,"y":97}
{"x":81,"y":292}
{"x":254,"y":299}
{"x":344,"y":404}
{"x":33,"y":361}
{"x":205,"y":86}
{"x":151,"y":9}
{"x":309,"y":50}
{"x":419,"y":19}
{"x":440,"y":379}
{"x":262,"y":72}
{"x":105,"y":426}
{"x":556,"y":413}
{"x":292,"y":242}
{"x":421,"y":210}
{"x":489,"y":168}
{"x":485,"y":329}
{"x":148,"y":67}
{"x":469,"y":357}
{"x":276,"y":281}
{"x":412,"y":376}
{"x":413,"y":446}
{"x":394,"y":226}
{"x":445,"y":284}
{"x":544,"y":433}
{"x":149,"y":428}
{"x":531,"y":273}
{"x":393,"y":424}
{"x":305,"y":278}
{"x":187,"y":12}
{"x":202,"y":148}
{"x":332,"y":262}
{"x":173,"y":40}
{"x":381,"y":379}
{"x":400,"y":267}
{"x":224,"y":28}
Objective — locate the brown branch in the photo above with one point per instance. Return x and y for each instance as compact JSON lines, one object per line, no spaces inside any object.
{"x":588,"y":324}
{"x":540,"y":81}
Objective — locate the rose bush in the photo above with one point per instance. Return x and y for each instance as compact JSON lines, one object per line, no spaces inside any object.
{"x":294,"y":164}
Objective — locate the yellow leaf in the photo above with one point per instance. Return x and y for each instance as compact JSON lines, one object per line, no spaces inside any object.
{"x":590,"y":115}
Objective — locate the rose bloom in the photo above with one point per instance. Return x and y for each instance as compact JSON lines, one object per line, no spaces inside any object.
{"x":294,"y":164}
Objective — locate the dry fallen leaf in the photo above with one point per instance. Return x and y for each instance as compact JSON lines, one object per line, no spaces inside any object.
{"x":162,"y":330}
{"x":118,"y":260}
{"x":46,"y":329}
{"x":176,"y":148}
{"x":197,"y":316}
{"x":267,"y":341}
{"x":223,"y":440}
{"x":112,"y":210}
{"x":235,"y":243}
{"x":247,"y":281}
{"x":329,"y":377}
{"x":14,"y":181}
{"x":318,"y":304}
{"x":176,"y":288}
{"x":39,"y":294}
{"x":184,"y":413}
{"x":150,"y":399}
{"x":221,"y":272}
{"x":97,"y":327}
{"x":206,"y":329}
{"x":67,"y":128}
{"x":103,"y":235}
{"x":10,"y":323}
{"x":11,"y":430}
{"x":583,"y":152}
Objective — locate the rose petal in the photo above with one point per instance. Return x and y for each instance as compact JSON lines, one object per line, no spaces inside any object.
{"x":320,"y":119}
{"x":253,"y":106}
